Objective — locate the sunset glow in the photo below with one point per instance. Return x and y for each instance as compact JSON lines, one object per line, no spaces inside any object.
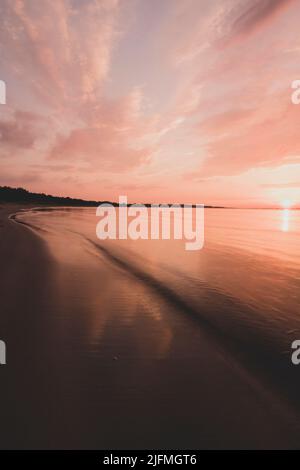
{"x":149,"y":228}
{"x":286,"y":204}
{"x":162,"y":101}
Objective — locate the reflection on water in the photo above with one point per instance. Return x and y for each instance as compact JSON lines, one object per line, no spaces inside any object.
{"x":250,"y":255}
{"x":156,"y":332}
{"x":285,"y":220}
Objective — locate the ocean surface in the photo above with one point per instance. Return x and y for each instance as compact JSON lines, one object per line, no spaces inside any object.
{"x":149,"y":345}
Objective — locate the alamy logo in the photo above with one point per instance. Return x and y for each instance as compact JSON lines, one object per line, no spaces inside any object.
{"x":2,"y":92}
{"x":2,"y":353}
{"x":296,"y":354}
{"x":296,"y":94}
{"x":155,"y":221}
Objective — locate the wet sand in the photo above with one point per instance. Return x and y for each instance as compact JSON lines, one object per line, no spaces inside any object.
{"x":84,"y":372}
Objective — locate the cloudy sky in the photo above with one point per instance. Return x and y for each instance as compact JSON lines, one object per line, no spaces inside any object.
{"x":160,"y":100}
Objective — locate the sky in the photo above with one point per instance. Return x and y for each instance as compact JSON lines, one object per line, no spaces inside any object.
{"x":160,"y":100}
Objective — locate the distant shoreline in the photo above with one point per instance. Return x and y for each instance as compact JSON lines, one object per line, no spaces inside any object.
{"x":23,"y":196}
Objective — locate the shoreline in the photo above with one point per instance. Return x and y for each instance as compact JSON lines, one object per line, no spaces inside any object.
{"x":26,"y":279}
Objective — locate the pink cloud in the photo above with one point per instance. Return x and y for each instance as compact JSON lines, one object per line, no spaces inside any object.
{"x":61,"y":49}
{"x":103,"y":148}
{"x":166,"y":98}
{"x":245,"y":17}
{"x":244,"y":139}
{"x":19,"y":131}
{"x":110,"y":137}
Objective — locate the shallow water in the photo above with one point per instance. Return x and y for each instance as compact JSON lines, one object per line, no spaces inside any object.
{"x":163,"y":347}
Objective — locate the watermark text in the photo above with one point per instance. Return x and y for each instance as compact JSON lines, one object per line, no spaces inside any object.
{"x":155,"y":221}
{"x":2,"y":92}
{"x":2,"y":352}
{"x":295,"y":97}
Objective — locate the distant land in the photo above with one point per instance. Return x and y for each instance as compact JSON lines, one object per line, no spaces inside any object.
{"x":22,"y":196}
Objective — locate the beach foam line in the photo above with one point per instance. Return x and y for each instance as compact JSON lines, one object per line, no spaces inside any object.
{"x":14,"y":218}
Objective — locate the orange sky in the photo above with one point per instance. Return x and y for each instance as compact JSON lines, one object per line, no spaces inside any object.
{"x":163,"y":101}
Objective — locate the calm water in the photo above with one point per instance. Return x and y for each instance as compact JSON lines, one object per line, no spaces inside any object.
{"x":156,"y":346}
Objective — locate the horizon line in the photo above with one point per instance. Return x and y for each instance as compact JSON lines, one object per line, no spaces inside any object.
{"x":92,"y":202}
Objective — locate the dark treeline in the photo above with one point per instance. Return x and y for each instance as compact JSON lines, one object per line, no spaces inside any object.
{"x":22,"y":196}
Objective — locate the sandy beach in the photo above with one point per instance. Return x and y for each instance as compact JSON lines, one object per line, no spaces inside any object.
{"x":100,"y":355}
{"x":25,"y":289}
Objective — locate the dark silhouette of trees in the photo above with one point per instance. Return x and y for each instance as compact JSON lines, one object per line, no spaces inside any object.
{"x":21,"y":195}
